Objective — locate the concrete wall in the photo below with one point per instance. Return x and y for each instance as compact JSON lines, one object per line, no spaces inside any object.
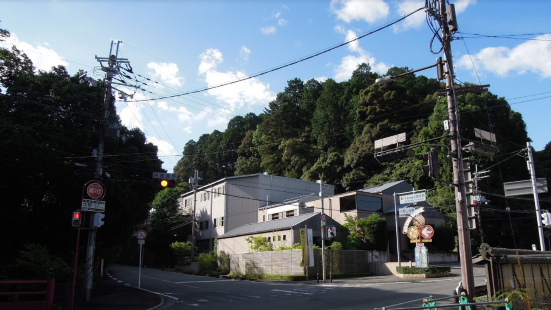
{"x":434,"y":258}
{"x":239,"y":244}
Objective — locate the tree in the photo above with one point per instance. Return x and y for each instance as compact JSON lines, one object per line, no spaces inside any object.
{"x":366,"y":233}
{"x":259,"y":244}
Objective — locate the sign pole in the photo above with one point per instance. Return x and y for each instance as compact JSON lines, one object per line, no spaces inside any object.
{"x":398,"y":245}
{"x":140,"y":267}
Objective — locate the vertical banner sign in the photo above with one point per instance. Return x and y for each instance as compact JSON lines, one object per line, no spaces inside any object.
{"x":424,"y":257}
{"x":418,"y":257}
{"x":304,"y":247}
{"x":310,"y":249}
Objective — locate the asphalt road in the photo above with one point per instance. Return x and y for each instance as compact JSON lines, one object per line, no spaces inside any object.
{"x":182,"y":291}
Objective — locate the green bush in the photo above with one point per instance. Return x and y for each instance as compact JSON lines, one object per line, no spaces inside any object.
{"x":182,"y":251}
{"x":223,"y":261}
{"x":207,"y":262}
{"x":427,"y":270}
{"x":34,"y":262}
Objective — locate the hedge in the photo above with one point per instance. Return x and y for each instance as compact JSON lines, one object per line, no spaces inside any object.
{"x":427,"y":270}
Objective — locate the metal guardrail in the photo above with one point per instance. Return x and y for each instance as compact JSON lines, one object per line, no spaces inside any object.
{"x":454,"y":305}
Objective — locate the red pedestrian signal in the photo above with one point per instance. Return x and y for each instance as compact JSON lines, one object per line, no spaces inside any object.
{"x":75,"y":221}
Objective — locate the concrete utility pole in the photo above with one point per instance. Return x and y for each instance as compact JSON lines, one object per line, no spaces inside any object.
{"x":530,"y":163}
{"x":465,"y":254}
{"x":322,"y":233}
{"x":193,"y":181}
{"x":111,"y":69}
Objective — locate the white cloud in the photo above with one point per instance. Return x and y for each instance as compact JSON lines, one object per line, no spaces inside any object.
{"x":43,"y":58}
{"x":210,"y":59}
{"x":282,"y":22}
{"x":167,"y":72}
{"x":237,"y":95}
{"x":533,"y":56}
{"x":131,"y":116}
{"x":350,"y":10}
{"x":350,"y":63}
{"x":461,"y":5}
{"x":165,"y":148}
{"x":321,"y":79}
{"x":414,"y":21}
{"x":244,"y":53}
{"x":187,"y":129}
{"x":276,"y":15}
{"x":268,"y":30}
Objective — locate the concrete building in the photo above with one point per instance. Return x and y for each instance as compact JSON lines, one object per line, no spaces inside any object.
{"x":232,"y":202}
{"x":280,"y":232}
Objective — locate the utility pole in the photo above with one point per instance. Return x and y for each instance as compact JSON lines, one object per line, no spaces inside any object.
{"x":111,"y":69}
{"x":465,"y":254}
{"x":530,"y":163}
{"x":477,"y":193}
{"x":322,"y":233}
{"x":193,"y":181}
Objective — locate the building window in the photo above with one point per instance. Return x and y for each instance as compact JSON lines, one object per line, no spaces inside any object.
{"x":269,"y":239}
{"x":214,"y":225}
{"x":290,"y":213}
{"x":275,"y":216}
{"x":264,"y":218}
{"x":278,"y":238}
{"x":284,"y":237}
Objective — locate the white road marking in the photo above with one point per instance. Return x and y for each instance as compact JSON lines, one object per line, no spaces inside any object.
{"x":292,"y":292}
{"x":143,"y":289}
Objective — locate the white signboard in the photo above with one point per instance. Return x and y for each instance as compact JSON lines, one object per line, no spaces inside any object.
{"x":163,"y":175}
{"x":93,"y":205}
{"x":405,"y":212}
{"x":415,"y":197}
{"x":141,"y":241}
{"x":310,"y":248}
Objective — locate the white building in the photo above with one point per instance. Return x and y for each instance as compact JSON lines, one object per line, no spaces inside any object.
{"x":232,"y":202}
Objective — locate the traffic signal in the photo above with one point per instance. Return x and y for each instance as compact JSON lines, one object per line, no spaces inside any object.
{"x":75,"y":221}
{"x":331,"y":232}
{"x":432,"y":167}
{"x":98,"y":219}
{"x":163,"y":183}
{"x":546,"y":219}
{"x":471,"y":217}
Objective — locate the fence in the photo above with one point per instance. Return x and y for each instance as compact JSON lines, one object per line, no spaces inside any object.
{"x":45,"y":303}
{"x":532,"y":274}
{"x":337,"y":262}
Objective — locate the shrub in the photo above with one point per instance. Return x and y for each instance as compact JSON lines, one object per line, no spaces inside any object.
{"x":208,"y":262}
{"x":34,"y":262}
{"x":427,"y":270}
{"x":182,"y":251}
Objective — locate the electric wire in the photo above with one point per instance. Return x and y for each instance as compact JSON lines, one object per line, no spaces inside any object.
{"x":296,"y":61}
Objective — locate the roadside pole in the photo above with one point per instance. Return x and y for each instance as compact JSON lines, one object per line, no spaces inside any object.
{"x":532,"y":171}
{"x":322,"y":232}
{"x":398,"y":245}
{"x":141,"y":235}
{"x":193,"y":181}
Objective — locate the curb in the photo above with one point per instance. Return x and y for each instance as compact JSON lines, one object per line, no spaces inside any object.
{"x":160,"y":304}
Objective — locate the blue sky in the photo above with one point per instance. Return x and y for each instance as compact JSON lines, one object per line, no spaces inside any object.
{"x":189,"y":45}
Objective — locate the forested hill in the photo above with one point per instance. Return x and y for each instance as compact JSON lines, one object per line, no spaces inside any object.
{"x":326,"y":130}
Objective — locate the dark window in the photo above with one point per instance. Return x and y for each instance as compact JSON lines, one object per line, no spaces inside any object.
{"x":269,"y":239}
{"x":290,"y":213}
{"x":275,"y":216}
{"x":284,"y":237}
{"x":348,"y":203}
{"x":368,"y":203}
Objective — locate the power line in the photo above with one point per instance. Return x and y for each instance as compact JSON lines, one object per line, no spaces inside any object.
{"x":293,"y":62}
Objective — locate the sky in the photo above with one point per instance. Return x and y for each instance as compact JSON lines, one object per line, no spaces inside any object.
{"x":183,"y":46}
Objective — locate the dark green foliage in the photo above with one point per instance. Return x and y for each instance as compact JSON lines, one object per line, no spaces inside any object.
{"x":49,"y":125}
{"x":427,"y":270}
{"x":34,"y":263}
{"x":366,"y":233}
{"x":207,"y":262}
{"x":444,"y":238}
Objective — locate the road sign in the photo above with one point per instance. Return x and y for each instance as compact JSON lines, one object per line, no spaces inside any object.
{"x":390,"y":140}
{"x":141,"y":241}
{"x":406,"y":211}
{"x":418,"y":257}
{"x":93,"y":205}
{"x":323,"y":217}
{"x":415,"y":197}
{"x":163,"y":175}
{"x":410,"y":218}
{"x":424,"y":257}
{"x":141,"y":234}
{"x":413,"y":233}
{"x":524,"y":187}
{"x":95,"y":190}
{"x":427,"y":232}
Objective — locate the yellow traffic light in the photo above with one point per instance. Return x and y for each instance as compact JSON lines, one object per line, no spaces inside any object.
{"x":164,"y":183}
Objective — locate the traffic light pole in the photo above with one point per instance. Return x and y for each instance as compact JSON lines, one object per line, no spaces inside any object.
{"x":90,"y":257}
{"x":465,"y":254}
{"x":532,"y":171}
{"x":322,"y":234}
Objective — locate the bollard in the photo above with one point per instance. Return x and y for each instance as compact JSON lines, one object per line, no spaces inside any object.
{"x":331,"y":277}
{"x":318,"y":277}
